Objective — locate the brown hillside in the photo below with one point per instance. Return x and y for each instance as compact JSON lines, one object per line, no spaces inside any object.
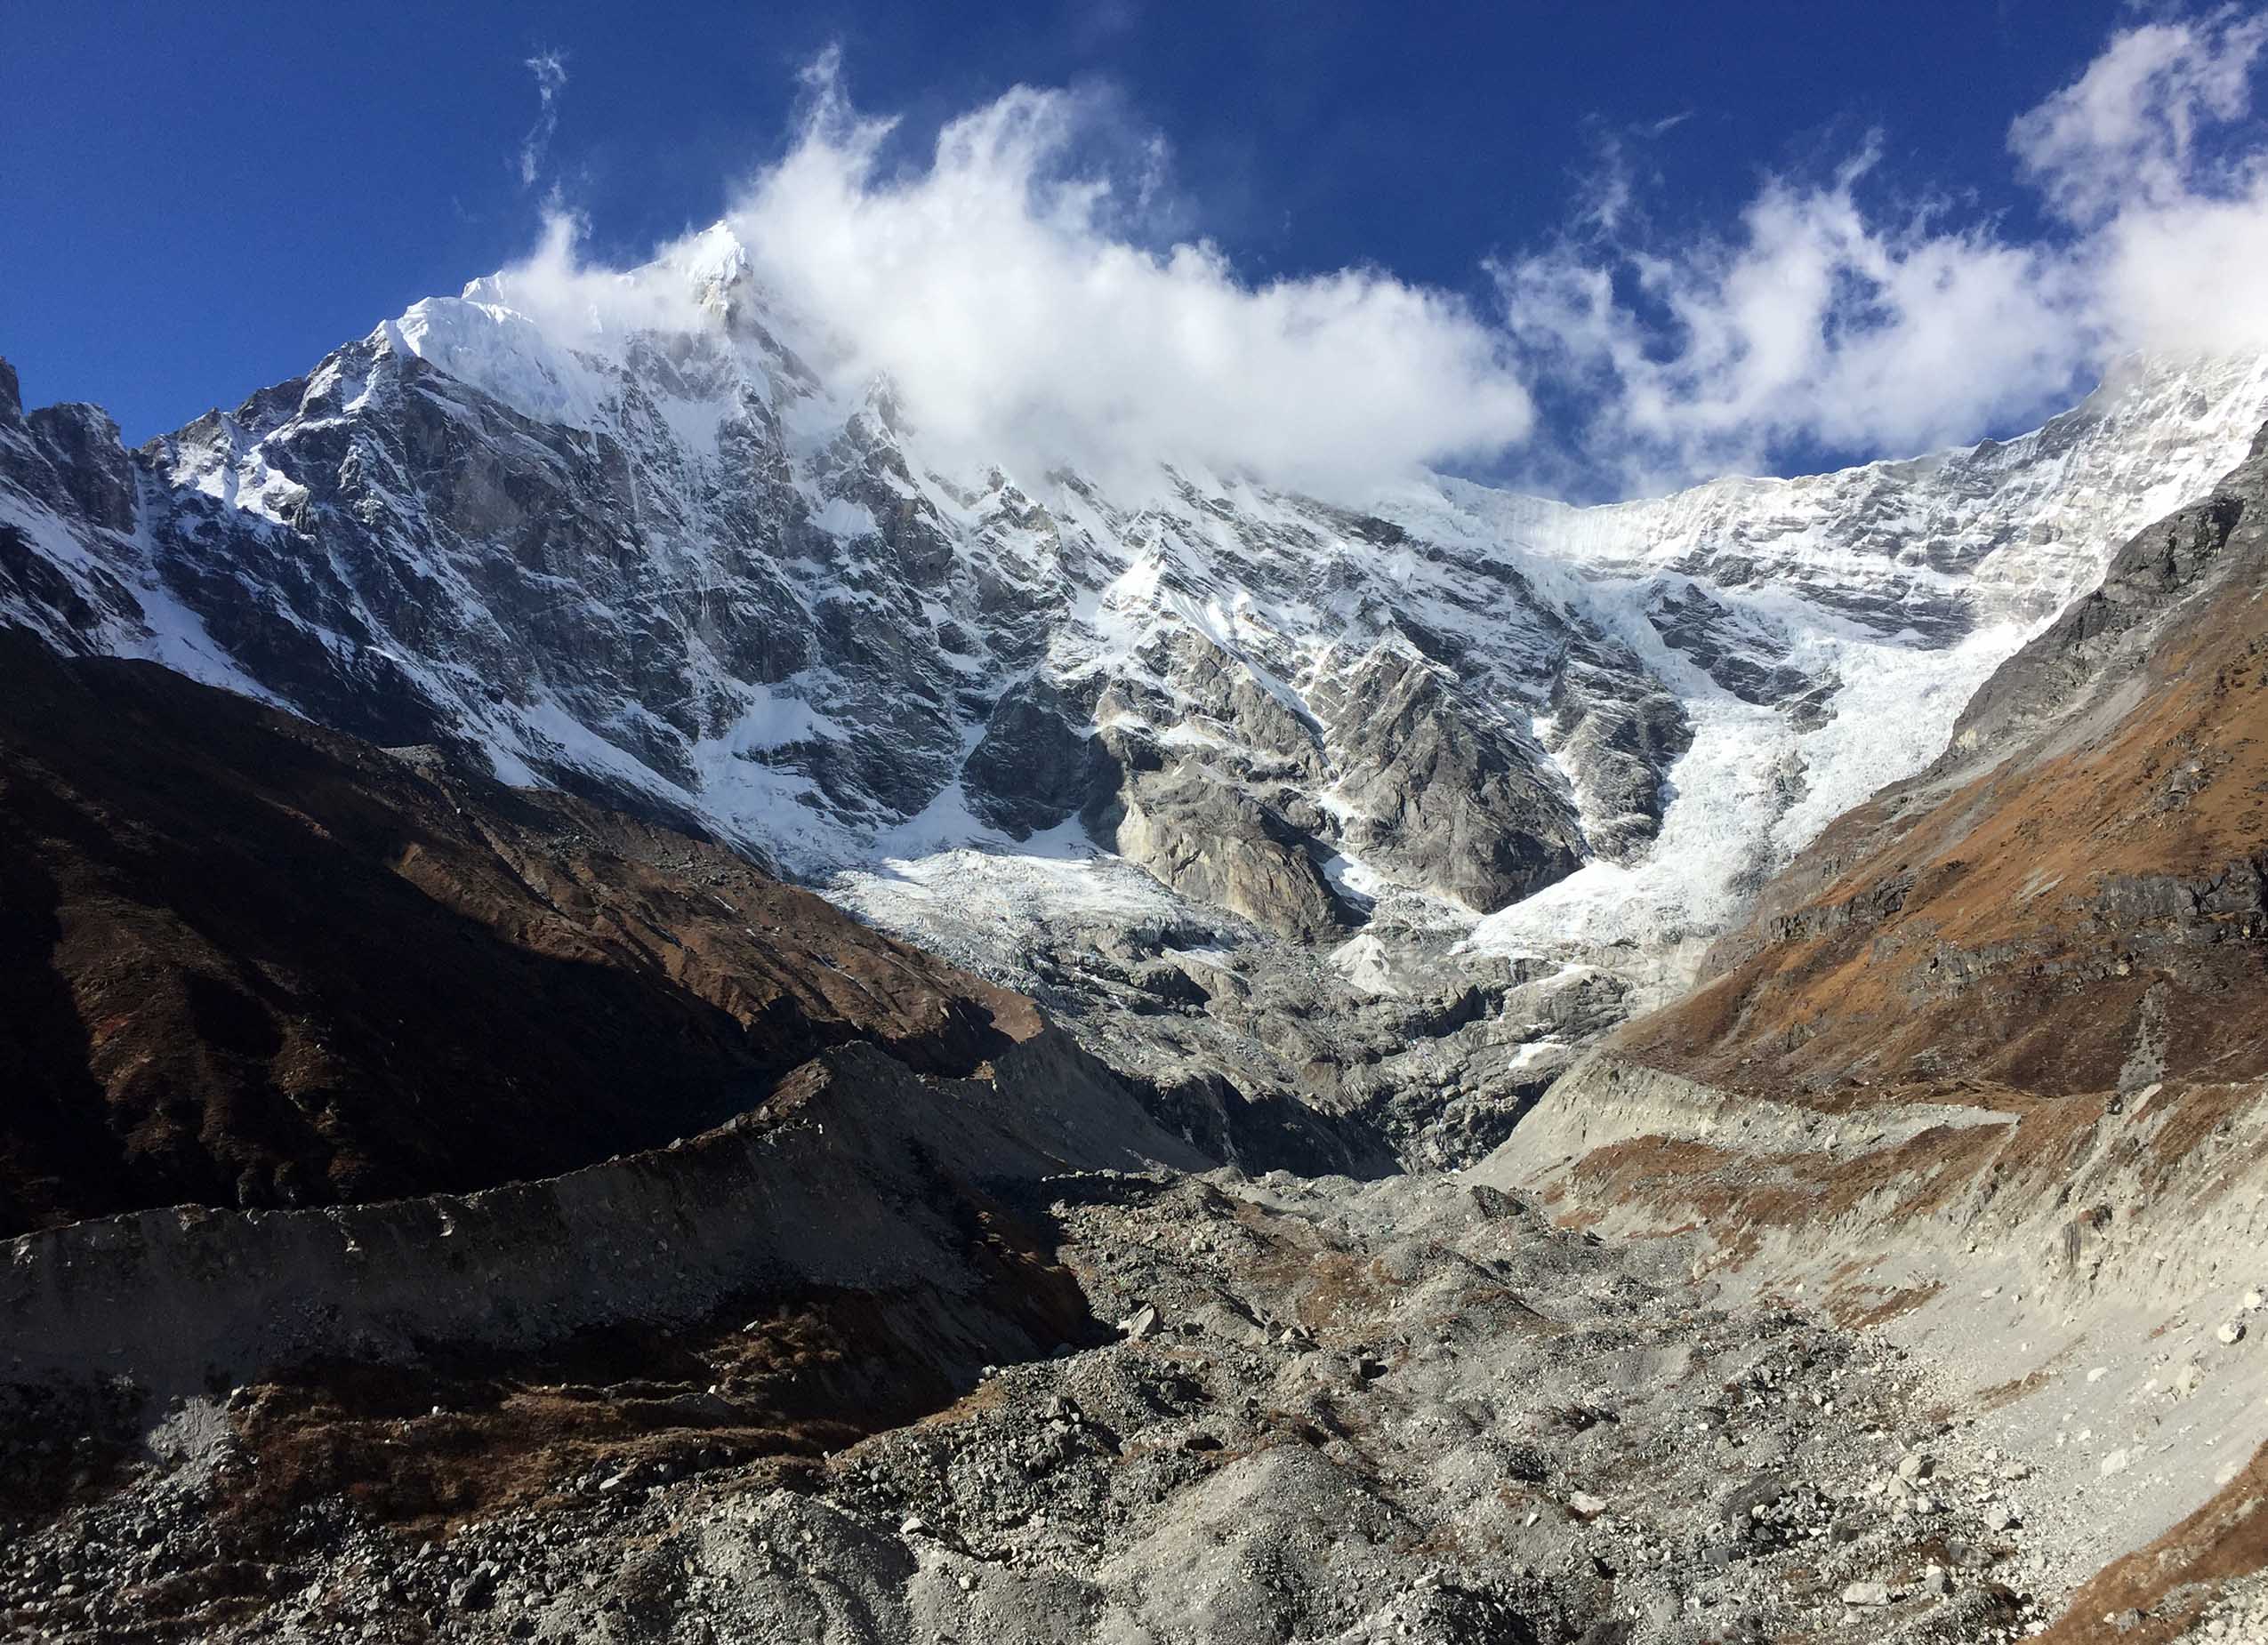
{"x":2092,"y":908}
{"x":247,"y":961}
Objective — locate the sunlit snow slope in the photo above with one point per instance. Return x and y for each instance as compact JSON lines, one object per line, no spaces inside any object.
{"x":673,"y":564}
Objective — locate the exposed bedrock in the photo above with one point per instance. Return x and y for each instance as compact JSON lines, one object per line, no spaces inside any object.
{"x":1237,"y":794}
{"x":1449,"y":795}
{"x":1214,"y":843}
{"x":1619,"y":731}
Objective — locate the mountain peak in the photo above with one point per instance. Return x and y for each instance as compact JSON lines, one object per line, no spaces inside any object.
{"x":716,"y":257}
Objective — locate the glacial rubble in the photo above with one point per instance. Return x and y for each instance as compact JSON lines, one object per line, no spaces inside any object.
{"x":1411,"y":1410}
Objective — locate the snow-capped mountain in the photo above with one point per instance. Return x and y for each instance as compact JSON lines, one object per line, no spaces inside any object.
{"x":672,"y":562}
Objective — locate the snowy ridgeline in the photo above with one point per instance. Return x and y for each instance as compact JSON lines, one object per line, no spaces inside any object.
{"x":674,"y":561}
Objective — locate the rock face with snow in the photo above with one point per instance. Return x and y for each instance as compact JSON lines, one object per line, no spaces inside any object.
{"x":635,"y":574}
{"x":679,"y":567}
{"x":2072,"y":898}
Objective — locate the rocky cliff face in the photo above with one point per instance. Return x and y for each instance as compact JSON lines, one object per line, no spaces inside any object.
{"x":676,"y":566}
{"x":680,"y":570}
{"x":658,"y":589}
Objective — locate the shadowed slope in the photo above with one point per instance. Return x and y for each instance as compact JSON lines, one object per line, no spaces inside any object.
{"x":249,"y":962}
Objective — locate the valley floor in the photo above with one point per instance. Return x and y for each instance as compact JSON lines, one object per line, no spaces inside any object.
{"x":1414,"y":1409}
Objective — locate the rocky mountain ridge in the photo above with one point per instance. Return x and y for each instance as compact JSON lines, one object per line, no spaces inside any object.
{"x":676,"y":564}
{"x":1884,"y":1288}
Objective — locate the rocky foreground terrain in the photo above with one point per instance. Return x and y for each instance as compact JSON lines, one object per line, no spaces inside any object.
{"x":1413,"y":1410}
{"x":1451,"y":1070}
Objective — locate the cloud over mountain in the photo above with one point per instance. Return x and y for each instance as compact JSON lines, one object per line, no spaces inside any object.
{"x":1023,"y":285}
{"x":1818,"y":321}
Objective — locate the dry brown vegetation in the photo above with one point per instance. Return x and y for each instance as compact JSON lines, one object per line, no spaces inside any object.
{"x":252,"y":962}
{"x":2010,"y":928}
{"x":2171,"y":1581}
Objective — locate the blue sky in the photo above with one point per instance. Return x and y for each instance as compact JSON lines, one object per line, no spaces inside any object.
{"x":195,"y":201}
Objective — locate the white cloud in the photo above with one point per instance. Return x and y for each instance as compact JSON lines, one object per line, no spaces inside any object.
{"x":550,"y":69}
{"x":1011,"y":291}
{"x":2151,"y":156}
{"x":1818,"y":323}
{"x":1006,"y":290}
{"x":2126,"y":133}
{"x":582,"y":304}
{"x":1812,"y":325}
{"x":1021,"y":283}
